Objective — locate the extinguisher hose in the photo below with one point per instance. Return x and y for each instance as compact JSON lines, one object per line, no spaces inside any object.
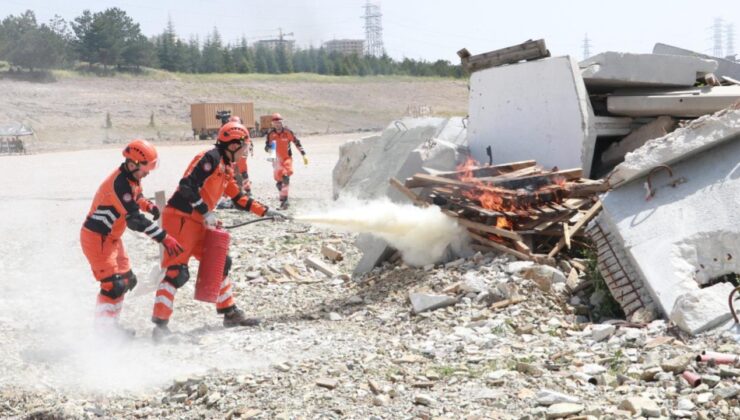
{"x":249,"y":222}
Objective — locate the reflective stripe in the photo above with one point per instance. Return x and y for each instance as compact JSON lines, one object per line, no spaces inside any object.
{"x":167,"y":287}
{"x":153,"y":226}
{"x":108,"y":307}
{"x":155,"y":233}
{"x":223,"y":297}
{"x":163,"y":300}
{"x":102,"y":219}
{"x":108,"y":213}
{"x":197,"y":203}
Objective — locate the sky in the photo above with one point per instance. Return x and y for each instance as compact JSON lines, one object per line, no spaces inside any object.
{"x":427,"y":29}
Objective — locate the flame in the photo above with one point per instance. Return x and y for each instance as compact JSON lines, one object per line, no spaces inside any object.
{"x":503,"y":223}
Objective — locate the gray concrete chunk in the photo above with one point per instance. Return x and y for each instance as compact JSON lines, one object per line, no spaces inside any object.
{"x":422,"y":302}
{"x":615,"y":69}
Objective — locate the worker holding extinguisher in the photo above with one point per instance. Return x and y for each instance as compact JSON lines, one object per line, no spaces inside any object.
{"x":188,"y":215}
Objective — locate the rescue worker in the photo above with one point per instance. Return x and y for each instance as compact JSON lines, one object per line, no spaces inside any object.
{"x":118,"y":204}
{"x":190,"y":211}
{"x":241,"y":165}
{"x":281,"y":137}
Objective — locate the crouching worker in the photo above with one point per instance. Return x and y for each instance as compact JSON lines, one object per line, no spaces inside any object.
{"x":118,"y":204}
{"x":189,"y":212}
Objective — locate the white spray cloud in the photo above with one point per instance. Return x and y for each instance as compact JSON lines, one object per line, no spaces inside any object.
{"x":421,"y":234}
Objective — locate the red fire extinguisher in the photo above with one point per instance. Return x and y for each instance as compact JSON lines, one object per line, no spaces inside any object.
{"x":211,"y":269}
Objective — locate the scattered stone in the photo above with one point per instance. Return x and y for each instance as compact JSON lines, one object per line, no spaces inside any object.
{"x":602,"y":331}
{"x":424,"y":399}
{"x":333,"y":316}
{"x":327,"y":383}
{"x":330,"y":253}
{"x":422,"y":302}
{"x":549,"y":397}
{"x":677,"y":364}
{"x":640,"y":406}
{"x":561,"y":410}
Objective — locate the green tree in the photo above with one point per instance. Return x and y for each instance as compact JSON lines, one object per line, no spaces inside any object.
{"x":12,"y":29}
{"x":283,"y":60}
{"x":212,"y":59}
{"x":38,"y":48}
{"x":103,"y":37}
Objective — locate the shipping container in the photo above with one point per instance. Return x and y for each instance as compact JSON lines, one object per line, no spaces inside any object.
{"x":265,"y":124}
{"x":205,"y":123}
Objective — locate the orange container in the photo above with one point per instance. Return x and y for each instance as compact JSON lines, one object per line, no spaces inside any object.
{"x":211,"y":269}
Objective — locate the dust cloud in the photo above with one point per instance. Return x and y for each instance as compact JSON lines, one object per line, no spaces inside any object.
{"x":421,"y":234}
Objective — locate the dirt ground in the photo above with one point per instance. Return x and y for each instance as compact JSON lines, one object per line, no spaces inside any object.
{"x":71,"y":112}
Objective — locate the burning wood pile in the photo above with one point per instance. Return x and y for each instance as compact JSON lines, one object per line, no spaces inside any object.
{"x":518,"y":208}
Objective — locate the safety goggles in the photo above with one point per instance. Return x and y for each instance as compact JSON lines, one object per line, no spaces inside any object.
{"x":146,"y":165}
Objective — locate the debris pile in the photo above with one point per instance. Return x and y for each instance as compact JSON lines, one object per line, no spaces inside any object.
{"x":518,"y":208}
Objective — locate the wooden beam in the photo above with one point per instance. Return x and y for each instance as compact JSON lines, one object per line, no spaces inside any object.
{"x":528,"y":50}
{"x":490,"y":170}
{"x":578,"y":226}
{"x":499,"y":247}
{"x":407,"y":192}
{"x":483,"y":227}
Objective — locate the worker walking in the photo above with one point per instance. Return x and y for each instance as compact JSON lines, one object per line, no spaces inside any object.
{"x":118,"y":204}
{"x":189,"y":212}
{"x":279,"y":138}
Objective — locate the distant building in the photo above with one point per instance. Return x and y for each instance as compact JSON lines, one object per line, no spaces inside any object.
{"x":345,"y":46}
{"x":274,"y":44}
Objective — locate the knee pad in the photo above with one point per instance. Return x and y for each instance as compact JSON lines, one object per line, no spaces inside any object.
{"x":113,"y":286}
{"x":132,"y":280}
{"x":286,"y":180}
{"x":177,"y":275}
{"x":227,"y":266}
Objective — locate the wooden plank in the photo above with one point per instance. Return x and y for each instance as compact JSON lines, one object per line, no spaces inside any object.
{"x":484,"y":228}
{"x":529,"y":50}
{"x":489,"y":170}
{"x":578,"y":226}
{"x":566,"y":234}
{"x":407,"y":192}
{"x":319,"y":265}
{"x":499,"y":247}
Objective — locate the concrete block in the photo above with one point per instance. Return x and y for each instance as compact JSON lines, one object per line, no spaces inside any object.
{"x":702,"y":309}
{"x":653,"y":130}
{"x":699,"y":135}
{"x":689,"y":103}
{"x":615,"y":69}
{"x":612,"y":126}
{"x":534,"y":110}
{"x":351,"y":155}
{"x":413,"y":145}
{"x":685,"y":235}
{"x":724,"y":67}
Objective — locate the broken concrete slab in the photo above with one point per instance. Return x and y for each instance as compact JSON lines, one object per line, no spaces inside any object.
{"x":423,"y":302}
{"x":724,"y":67}
{"x":700,"y":134}
{"x":688,"y":233}
{"x":702,"y":309}
{"x":351,"y":155}
{"x":534,"y":110}
{"x":689,"y":103}
{"x":615,"y":69}
{"x":439,"y":144}
{"x":612,"y":126}
{"x":653,"y":130}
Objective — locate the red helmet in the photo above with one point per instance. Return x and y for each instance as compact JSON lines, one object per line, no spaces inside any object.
{"x":233,"y":131}
{"x":235,"y":118}
{"x":277,"y":117}
{"x":141,"y":152}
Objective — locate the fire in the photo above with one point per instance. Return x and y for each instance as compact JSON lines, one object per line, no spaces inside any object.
{"x":503,"y":223}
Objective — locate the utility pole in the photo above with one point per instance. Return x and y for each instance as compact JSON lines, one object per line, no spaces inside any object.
{"x":586,"y":47}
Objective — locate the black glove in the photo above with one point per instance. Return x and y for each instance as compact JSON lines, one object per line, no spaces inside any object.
{"x":201,"y":208}
{"x":154,"y":211}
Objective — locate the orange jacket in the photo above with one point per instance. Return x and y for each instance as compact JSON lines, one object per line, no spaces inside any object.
{"x":282,"y":140}
{"x":206,"y":179}
{"x":117,"y":204}
{"x":241,"y":164}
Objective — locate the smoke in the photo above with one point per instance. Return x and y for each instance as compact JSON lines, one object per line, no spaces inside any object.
{"x":421,"y":234}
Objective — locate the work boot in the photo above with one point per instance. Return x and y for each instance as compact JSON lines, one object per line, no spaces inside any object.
{"x":284,"y":204}
{"x":237,"y":318}
{"x":161,"y":331}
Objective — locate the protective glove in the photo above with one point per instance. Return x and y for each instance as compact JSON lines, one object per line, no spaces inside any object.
{"x":210,"y":220}
{"x":172,"y":246}
{"x":154,"y":211}
{"x":305,"y":160}
{"x":276,"y":214}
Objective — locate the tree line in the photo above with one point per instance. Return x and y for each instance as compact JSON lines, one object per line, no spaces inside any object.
{"x":111,"y":40}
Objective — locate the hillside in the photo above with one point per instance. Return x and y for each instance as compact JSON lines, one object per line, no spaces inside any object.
{"x":71,"y":112}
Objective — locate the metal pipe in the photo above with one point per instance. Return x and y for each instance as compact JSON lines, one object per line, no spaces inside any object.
{"x":692,"y":378}
{"x":718,"y":358}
